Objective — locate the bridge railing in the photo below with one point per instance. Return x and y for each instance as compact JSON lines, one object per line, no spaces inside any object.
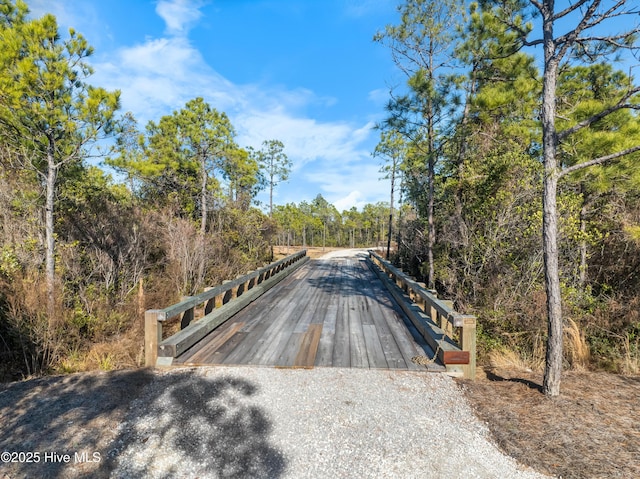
{"x":451,"y":334}
{"x":214,"y":302}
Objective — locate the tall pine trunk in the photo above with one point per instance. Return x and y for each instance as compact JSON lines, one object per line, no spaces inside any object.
{"x":431,"y":173}
{"x":203,"y":194}
{"x":49,"y":219}
{"x":553,"y":365}
{"x":584,"y":210}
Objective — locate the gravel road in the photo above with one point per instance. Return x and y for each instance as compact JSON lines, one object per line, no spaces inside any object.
{"x":249,"y":422}
{"x":320,"y":423}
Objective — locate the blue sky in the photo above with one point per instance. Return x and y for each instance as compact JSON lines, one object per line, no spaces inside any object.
{"x":305,"y":72}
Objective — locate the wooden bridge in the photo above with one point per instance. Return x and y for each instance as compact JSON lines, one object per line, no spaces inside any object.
{"x":351,"y":311}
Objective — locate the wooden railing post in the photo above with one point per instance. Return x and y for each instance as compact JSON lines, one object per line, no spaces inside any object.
{"x":152,"y":336}
{"x":446,"y":324}
{"x":211,"y":304}
{"x":188,"y":316}
{"x":210,"y":299}
{"x":441,"y":314}
{"x":468,"y":343}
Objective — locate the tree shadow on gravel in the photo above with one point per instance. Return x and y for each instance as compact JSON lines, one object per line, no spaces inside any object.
{"x":140,"y":424}
{"x":63,"y":415}
{"x":187,"y":425}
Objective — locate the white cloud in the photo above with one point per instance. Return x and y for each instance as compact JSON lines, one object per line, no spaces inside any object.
{"x":179,"y":15}
{"x":352,"y":184}
{"x":380,"y":96}
{"x":64,"y":13}
{"x":360,"y":8}
{"x":355,"y":198}
{"x":305,"y":139}
{"x":160,"y":75}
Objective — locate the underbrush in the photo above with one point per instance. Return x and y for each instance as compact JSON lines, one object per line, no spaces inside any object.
{"x":93,"y":329}
{"x":604,"y":337}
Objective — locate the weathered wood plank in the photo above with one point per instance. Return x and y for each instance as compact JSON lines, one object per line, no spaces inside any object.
{"x":210,"y":347}
{"x":275,"y":339}
{"x":357,"y":346}
{"x":287,"y":356}
{"x":223,"y":352}
{"x":211,"y":293}
{"x":395,"y":328}
{"x":298,"y":323}
{"x":306,"y":356}
{"x":341,"y":356}
{"x":311,"y":295}
{"x":261,"y":316}
{"x":375,"y":353}
{"x":324,"y":356}
{"x":274,"y":298}
{"x":328,"y":313}
{"x":384,"y":315}
{"x":444,"y":347}
{"x":180,"y":342}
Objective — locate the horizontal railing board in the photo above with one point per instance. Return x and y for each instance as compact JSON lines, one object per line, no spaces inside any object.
{"x":455,"y":318}
{"x":193,"y":301}
{"x":183,"y":340}
{"x":446,"y":350}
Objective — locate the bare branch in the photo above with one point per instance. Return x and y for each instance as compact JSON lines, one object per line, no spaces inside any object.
{"x":568,"y":10}
{"x":533,"y":43}
{"x":569,"y":39}
{"x":538,"y":5}
{"x":612,"y":40}
{"x":611,"y":13}
{"x":598,"y":161}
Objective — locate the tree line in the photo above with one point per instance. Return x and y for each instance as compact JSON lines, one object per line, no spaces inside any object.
{"x":319,"y":224}
{"x":521,"y":167}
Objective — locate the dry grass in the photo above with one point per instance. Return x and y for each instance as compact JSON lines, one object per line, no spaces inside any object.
{"x":576,"y":347}
{"x":590,"y":431}
{"x":510,"y":359}
{"x":631,"y":362}
{"x":123,"y":352}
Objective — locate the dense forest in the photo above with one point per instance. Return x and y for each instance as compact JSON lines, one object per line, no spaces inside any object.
{"x":465,"y":145}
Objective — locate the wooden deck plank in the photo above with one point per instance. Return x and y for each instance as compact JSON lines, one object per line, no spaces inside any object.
{"x":382,"y":311}
{"x":274,"y":298}
{"x":221,"y":354}
{"x":324,"y":356}
{"x":257,"y":338}
{"x":357,"y":346}
{"x":375,"y":353}
{"x":284,"y":327}
{"x":332,"y":312}
{"x":306,"y":356}
{"x":200,"y":355}
{"x":341,"y":356}
{"x":267,"y":322}
{"x":287,"y":356}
